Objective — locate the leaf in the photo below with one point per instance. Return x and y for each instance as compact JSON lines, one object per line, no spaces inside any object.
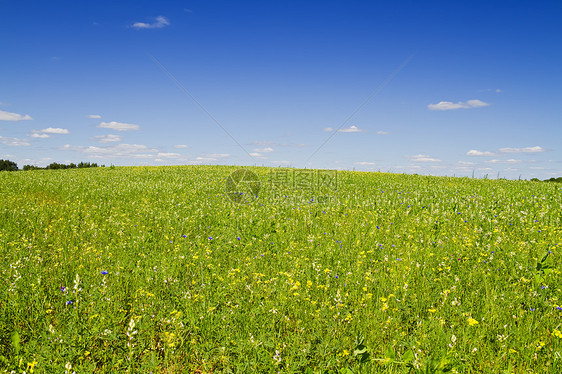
{"x":408,"y":356}
{"x":390,"y":353}
{"x":16,"y":342}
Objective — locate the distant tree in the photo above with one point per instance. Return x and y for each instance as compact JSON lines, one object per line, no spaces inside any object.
{"x":31,"y":167}
{"x":8,"y":165}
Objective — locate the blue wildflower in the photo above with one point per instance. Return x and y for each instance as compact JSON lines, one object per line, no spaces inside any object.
{"x":103,"y":272}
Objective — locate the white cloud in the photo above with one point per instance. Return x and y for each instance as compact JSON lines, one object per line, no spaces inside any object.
{"x":474,"y":152}
{"x":108,"y":138}
{"x":535,"y":149}
{"x":466,"y":163}
{"x":424,"y":158}
{"x":364,"y":163}
{"x":180,"y":146}
{"x":94,"y":116}
{"x":510,"y":161}
{"x":264,"y":150}
{"x":53,"y":130}
{"x":9,"y":116}
{"x":15,"y":142}
{"x":212,"y":157}
{"x":382,"y":133}
{"x":447,"y":105}
{"x":38,"y":135}
{"x":350,"y":129}
{"x":118,"y":126}
{"x":115,"y":151}
{"x":283,"y":162}
{"x":168,"y":155}
{"x":160,"y":22}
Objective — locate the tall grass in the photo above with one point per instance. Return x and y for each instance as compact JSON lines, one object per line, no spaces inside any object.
{"x":155,"y":269}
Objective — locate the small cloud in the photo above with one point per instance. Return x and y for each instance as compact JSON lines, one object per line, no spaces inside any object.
{"x":159,"y":22}
{"x":465,"y":163}
{"x":535,"y":149}
{"x":53,"y":130}
{"x":212,"y":157}
{"x":474,"y":152}
{"x":180,"y":146}
{"x":350,"y":129}
{"x":14,"y":142}
{"x":8,"y":116}
{"x":168,"y":155}
{"x":424,"y":158}
{"x":364,"y":163}
{"x":40,"y":136}
{"x":283,"y":162}
{"x":447,"y":105}
{"x":96,"y":116}
{"x":382,"y":133}
{"x":498,"y":90}
{"x":118,"y":126}
{"x":328,"y":129}
{"x":115,"y":151}
{"x":108,"y":138}
{"x":264,"y":150}
{"x":510,"y":161}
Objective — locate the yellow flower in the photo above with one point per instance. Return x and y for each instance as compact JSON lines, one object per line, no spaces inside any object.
{"x":434,"y":310}
{"x":557,"y":334}
{"x":472,"y":321}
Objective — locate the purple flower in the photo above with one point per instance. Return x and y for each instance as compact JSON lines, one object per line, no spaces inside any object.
{"x":238,"y":238}
{"x":185,"y":236}
{"x":378,"y":227}
{"x":103,"y":272}
{"x":337,"y":277}
{"x":63,"y":289}
{"x":210,"y":238}
{"x":69,"y":302}
{"x":559,"y":308}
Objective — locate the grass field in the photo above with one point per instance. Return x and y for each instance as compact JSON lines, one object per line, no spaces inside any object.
{"x":155,"y":269}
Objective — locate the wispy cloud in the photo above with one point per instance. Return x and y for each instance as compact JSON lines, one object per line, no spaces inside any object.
{"x":9,"y":116}
{"x":15,"y":142}
{"x":53,"y":130}
{"x":352,"y":128}
{"x":424,"y":158}
{"x":447,"y":105}
{"x":264,"y":150}
{"x":108,"y":138}
{"x":509,"y":161}
{"x":180,"y":146}
{"x":535,"y":149}
{"x":118,"y":126}
{"x":506,"y":150}
{"x":115,"y":151}
{"x":474,"y":152}
{"x":364,"y":163}
{"x":159,"y":22}
{"x":97,"y":116}
{"x":382,"y":133}
{"x":168,"y":155}
{"x":209,"y":157}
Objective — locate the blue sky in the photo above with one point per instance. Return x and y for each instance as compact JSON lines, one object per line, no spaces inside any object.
{"x":436,"y":87}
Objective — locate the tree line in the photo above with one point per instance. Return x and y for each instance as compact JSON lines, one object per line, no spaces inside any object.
{"x":7,"y":165}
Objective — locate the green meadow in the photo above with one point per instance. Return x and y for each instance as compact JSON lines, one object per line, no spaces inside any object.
{"x":160,"y":269}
